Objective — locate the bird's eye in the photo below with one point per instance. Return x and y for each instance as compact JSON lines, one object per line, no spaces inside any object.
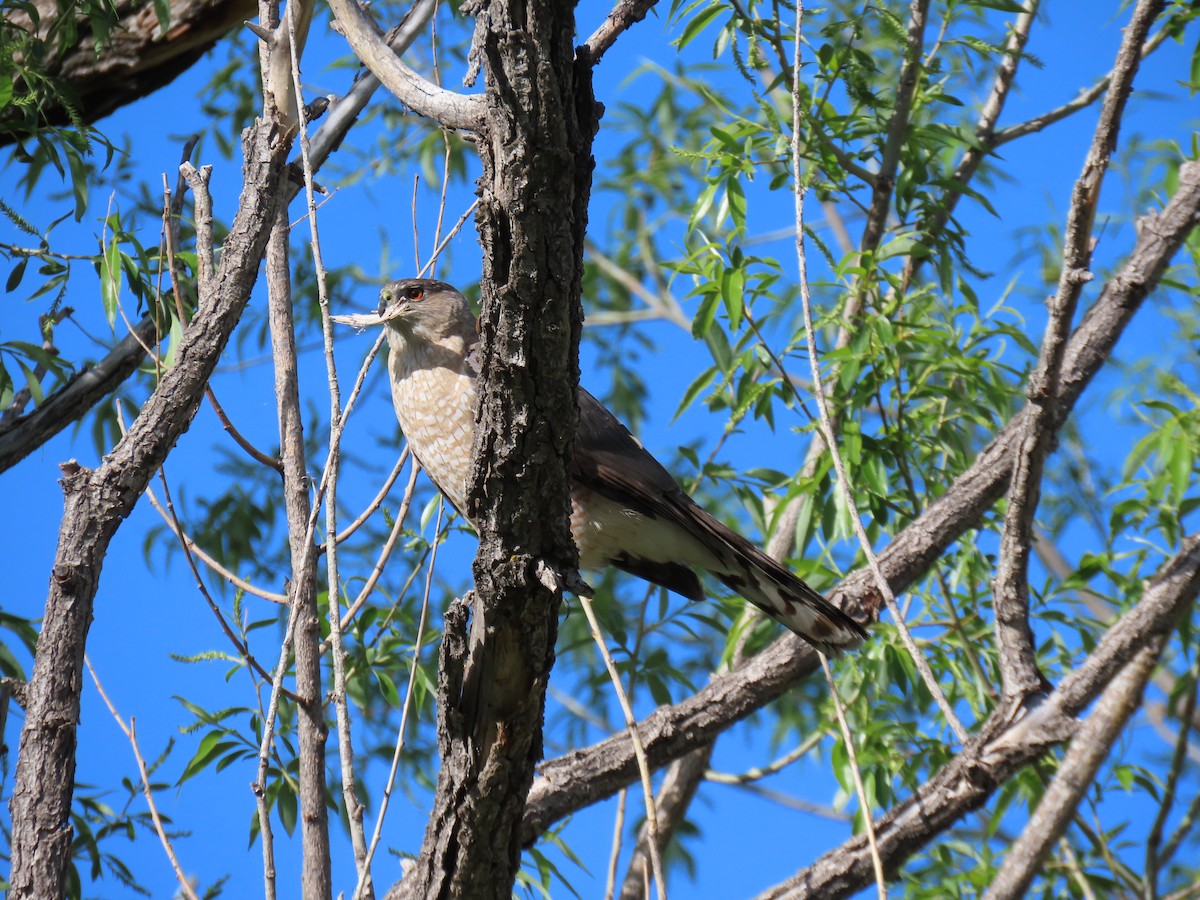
{"x":414,"y":293}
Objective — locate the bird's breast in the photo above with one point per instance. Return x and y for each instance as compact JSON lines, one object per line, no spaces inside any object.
{"x":436,"y":411}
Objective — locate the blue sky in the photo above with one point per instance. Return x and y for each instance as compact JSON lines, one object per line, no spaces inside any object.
{"x":142,"y":616}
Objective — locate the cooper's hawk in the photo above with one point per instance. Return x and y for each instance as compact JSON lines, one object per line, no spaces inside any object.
{"x":626,"y":510}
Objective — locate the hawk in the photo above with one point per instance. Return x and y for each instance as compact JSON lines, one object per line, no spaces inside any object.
{"x":626,"y":509}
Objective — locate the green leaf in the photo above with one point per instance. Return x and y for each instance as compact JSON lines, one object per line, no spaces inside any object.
{"x":14,"y":277}
{"x":698,"y":23}
{"x":110,"y":280}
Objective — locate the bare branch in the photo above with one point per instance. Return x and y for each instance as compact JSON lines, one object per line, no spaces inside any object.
{"x":96,"y":502}
{"x":1085,"y":99}
{"x":1018,"y":664}
{"x":130,"y":733}
{"x":1089,"y":749}
{"x":73,"y":400}
{"x":679,"y":787}
{"x":585,"y":775}
{"x":624,"y":16}
{"x":300,"y":512}
{"x":449,"y":108}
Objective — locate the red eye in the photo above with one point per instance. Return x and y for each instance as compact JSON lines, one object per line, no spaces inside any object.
{"x":415,"y":293}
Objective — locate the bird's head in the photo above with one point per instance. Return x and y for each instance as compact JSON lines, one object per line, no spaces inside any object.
{"x":422,"y":306}
{"x":419,"y":308}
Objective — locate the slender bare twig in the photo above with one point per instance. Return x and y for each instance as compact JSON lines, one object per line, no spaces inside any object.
{"x":661,"y":305}
{"x":386,"y":551}
{"x":196,"y":550}
{"x":1154,"y":858}
{"x":238,"y":438}
{"x":1088,"y":750}
{"x":610,"y":884}
{"x":130,"y":732}
{"x":446,"y":240}
{"x":376,"y":503}
{"x":631,"y":724}
{"x":408,"y":695}
{"x":756,"y":773}
{"x":852,"y":757}
{"x":189,"y":546}
{"x":679,"y":786}
{"x":826,"y":423}
{"x":1085,"y":99}
{"x":354,"y":809}
{"x":1018,"y":663}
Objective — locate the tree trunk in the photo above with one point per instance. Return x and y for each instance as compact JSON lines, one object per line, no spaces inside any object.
{"x":537,"y":165}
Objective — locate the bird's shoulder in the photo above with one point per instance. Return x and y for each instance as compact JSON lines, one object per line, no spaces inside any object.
{"x":613,"y":463}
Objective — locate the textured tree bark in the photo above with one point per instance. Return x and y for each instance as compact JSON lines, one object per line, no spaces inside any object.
{"x":537,"y":165}
{"x":96,"y":502}
{"x":140,"y":58}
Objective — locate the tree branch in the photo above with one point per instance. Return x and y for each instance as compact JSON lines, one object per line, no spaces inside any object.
{"x":69,"y":403}
{"x":1000,"y":749}
{"x":1089,"y":748}
{"x":1018,"y":663}
{"x":96,"y":502}
{"x":449,"y":108}
{"x":885,"y":179}
{"x":589,"y":774}
{"x":624,"y":16}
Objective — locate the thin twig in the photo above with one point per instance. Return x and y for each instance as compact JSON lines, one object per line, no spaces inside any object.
{"x":639,"y":751}
{"x":408,"y":695}
{"x":1088,"y":750}
{"x":756,"y":773}
{"x":1166,"y":803}
{"x":376,"y":503}
{"x":446,"y":240}
{"x":386,"y":551}
{"x":610,"y":885}
{"x":826,"y":423}
{"x":859,"y":788}
{"x":354,"y":809}
{"x":192,"y":547}
{"x":130,"y":732}
{"x":1085,"y":99}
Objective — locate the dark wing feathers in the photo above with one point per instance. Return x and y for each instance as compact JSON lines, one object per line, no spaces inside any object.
{"x":609,"y":461}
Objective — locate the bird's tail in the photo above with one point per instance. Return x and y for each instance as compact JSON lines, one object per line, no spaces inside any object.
{"x":764,"y":582}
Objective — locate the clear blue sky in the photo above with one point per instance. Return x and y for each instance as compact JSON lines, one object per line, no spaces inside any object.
{"x":142,"y":616}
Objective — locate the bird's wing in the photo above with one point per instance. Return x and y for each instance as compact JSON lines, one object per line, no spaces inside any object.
{"x":611,"y":462}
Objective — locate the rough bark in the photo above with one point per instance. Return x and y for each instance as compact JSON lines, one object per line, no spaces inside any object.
{"x":537,"y":164}
{"x":96,"y":502}
{"x":139,"y":58}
